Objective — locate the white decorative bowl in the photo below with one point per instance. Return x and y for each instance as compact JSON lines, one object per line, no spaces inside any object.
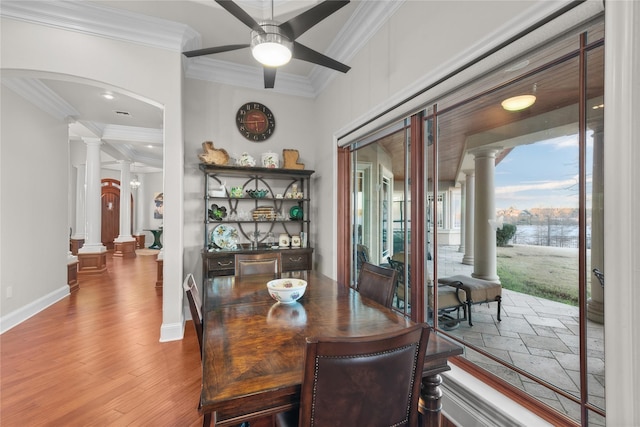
{"x":286,"y":291}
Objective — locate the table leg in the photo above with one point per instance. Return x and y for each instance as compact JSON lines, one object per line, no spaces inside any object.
{"x":430,"y":406}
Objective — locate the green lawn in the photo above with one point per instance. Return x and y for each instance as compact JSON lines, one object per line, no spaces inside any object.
{"x":541,"y":271}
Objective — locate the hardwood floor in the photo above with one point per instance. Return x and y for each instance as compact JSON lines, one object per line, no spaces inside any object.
{"x":94,"y":358}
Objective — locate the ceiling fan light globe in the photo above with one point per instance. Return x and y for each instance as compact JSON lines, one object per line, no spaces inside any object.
{"x":271,"y":48}
{"x":271,"y":54}
{"x":518,"y":103}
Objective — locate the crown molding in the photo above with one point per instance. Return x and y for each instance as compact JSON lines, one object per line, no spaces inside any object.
{"x":224,"y":72}
{"x":362,"y":25}
{"x":87,"y":18}
{"x":41,"y":96}
{"x":132,"y":134}
{"x":117,"y":24}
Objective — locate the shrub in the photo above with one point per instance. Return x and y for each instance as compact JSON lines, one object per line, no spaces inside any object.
{"x":504,"y":234}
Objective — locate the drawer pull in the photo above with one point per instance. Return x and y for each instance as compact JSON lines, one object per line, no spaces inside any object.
{"x":296,"y":259}
{"x":227,"y":264}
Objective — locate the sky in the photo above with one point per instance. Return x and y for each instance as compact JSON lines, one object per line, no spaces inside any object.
{"x":541,"y":175}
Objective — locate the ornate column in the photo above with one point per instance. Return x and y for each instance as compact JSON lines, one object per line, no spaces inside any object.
{"x":463,"y":194}
{"x":469,"y":217}
{"x":595,"y":304}
{"x":92,"y":257}
{"x":485,"y":265}
{"x":77,"y":239}
{"x":124,"y":245}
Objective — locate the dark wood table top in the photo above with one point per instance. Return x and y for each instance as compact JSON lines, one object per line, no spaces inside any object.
{"x":253,"y":351}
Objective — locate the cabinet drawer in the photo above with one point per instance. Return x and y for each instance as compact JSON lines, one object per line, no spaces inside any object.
{"x":298,"y":260}
{"x":221,"y":265}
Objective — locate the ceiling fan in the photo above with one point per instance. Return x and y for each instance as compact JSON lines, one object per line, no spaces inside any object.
{"x":273,"y":44}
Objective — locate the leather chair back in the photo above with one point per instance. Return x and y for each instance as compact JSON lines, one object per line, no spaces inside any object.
{"x":377,"y":283}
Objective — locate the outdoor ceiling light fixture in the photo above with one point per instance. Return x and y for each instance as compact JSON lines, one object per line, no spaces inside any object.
{"x":271,"y":48}
{"x":520,"y":102}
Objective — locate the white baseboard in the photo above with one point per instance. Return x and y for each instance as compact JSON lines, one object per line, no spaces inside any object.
{"x":172,"y":331}
{"x":20,"y":315}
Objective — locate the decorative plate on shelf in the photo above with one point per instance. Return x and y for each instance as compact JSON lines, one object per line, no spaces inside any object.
{"x":296,"y":213}
{"x":225,"y":236}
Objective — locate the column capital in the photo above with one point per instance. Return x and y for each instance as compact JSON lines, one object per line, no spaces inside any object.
{"x":91,"y":140}
{"x":485,"y":152}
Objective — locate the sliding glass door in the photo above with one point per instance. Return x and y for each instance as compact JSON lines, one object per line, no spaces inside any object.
{"x":510,"y":199}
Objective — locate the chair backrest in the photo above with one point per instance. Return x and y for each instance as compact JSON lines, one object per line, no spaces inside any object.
{"x":377,"y":283}
{"x":364,"y":381}
{"x":362,"y":255}
{"x":195,"y":305}
{"x":262,"y":263}
{"x":398,"y":266}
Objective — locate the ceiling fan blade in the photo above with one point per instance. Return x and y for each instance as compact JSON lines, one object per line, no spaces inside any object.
{"x":243,"y":16}
{"x":306,"y":54}
{"x":269,"y":77}
{"x":298,"y":25}
{"x":217,"y":49}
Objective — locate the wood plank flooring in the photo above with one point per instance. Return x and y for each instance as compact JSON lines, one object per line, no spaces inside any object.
{"x":94,"y":358}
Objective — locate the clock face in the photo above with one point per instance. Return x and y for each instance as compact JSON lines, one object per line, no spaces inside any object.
{"x":255,"y":121}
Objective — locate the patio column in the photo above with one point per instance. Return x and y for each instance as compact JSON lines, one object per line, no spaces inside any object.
{"x":595,"y":304}
{"x":124,"y":245}
{"x":484,"y":266}
{"x":469,"y":217}
{"x":463,"y":194}
{"x":92,"y":257}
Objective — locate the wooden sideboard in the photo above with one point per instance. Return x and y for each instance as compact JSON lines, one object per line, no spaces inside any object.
{"x":222,"y":263}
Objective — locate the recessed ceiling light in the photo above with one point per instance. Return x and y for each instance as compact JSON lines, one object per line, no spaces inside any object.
{"x":595,"y":107}
{"x":108,"y":95}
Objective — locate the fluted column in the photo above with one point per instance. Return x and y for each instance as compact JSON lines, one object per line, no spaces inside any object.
{"x":485,"y":265}
{"x":469,"y":217}
{"x":125,"y":245}
{"x":463,"y":194}
{"x":92,"y":256}
{"x":595,"y":304}
{"x":77,"y":239}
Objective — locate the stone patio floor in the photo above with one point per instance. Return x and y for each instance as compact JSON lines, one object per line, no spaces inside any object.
{"x":537,"y":335}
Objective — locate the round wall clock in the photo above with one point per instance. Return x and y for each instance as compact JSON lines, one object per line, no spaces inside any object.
{"x":255,"y":121}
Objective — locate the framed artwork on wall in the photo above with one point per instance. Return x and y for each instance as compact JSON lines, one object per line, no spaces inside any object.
{"x":158,"y":200}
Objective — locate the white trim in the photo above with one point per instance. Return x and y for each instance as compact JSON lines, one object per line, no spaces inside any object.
{"x":25,"y":312}
{"x":132,"y":133}
{"x":467,"y":401}
{"x":103,"y":21}
{"x":172,"y":331}
{"x":621,"y":207}
{"x":41,"y":96}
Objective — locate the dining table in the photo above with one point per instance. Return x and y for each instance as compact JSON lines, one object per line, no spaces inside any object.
{"x":253,"y":347}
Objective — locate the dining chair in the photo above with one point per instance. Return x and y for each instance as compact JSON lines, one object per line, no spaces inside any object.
{"x":195,"y":305}
{"x":377,"y":283}
{"x":398,"y":266}
{"x":363,"y":381}
{"x":262,"y":263}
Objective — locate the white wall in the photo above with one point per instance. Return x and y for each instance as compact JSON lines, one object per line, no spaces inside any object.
{"x":154,"y":75}
{"x":34,"y":235}
{"x":210,"y":113}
